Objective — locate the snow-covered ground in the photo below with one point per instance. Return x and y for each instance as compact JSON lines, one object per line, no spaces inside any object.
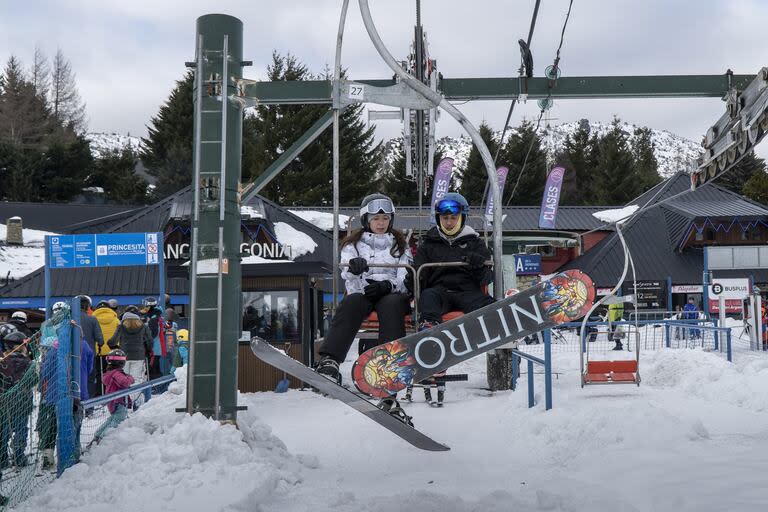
{"x":692,"y":437}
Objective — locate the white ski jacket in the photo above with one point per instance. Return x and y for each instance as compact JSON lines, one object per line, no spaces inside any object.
{"x":375,"y":249}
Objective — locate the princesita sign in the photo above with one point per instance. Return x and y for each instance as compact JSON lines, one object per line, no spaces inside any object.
{"x":271,"y":250}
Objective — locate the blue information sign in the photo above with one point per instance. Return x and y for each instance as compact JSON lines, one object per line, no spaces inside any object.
{"x":527,"y":264}
{"x":107,"y":250}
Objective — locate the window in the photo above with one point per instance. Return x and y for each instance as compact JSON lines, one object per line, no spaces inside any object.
{"x":272,"y":315}
{"x":699,"y":236}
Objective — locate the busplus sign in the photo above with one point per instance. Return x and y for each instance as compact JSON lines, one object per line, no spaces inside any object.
{"x":733,"y":290}
{"x":272,"y":251}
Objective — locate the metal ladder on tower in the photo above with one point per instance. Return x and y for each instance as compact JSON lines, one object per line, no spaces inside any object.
{"x":208,"y":263}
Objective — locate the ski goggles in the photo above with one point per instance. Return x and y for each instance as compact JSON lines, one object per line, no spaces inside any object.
{"x":448,"y":207}
{"x":378,"y":206}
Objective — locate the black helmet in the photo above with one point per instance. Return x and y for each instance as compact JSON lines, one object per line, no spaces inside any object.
{"x":13,"y":339}
{"x":7,"y":329}
{"x":131,"y":309}
{"x":102,"y":304}
{"x":85,"y":301}
{"x":116,"y":358}
{"x":373,"y":204}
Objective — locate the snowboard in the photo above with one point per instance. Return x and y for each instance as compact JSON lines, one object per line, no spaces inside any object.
{"x":281,"y":361}
{"x":386,"y":369}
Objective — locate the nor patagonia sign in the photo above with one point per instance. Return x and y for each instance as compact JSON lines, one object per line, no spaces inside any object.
{"x":266,"y":250}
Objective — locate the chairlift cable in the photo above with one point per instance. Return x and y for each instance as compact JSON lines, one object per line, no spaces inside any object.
{"x":555,"y":73}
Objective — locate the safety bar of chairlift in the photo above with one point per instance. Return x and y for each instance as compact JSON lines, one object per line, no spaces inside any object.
{"x":392,"y":265}
{"x":417,"y":276}
{"x":417,"y":281}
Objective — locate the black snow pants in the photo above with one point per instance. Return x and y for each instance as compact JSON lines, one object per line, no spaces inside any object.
{"x":435,"y":301}
{"x":391,"y":310}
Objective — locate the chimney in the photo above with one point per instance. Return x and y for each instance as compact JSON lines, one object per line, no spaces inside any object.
{"x":14,"y":235}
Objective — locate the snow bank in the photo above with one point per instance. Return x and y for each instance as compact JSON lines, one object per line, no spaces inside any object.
{"x":159,"y":459}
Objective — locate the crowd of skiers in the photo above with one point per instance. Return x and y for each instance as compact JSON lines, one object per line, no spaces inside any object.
{"x":120,"y":346}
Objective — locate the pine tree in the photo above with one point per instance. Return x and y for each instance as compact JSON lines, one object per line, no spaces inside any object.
{"x":167,"y":150}
{"x":529,"y":174}
{"x":615,"y":182}
{"x":23,"y":115}
{"x":577,"y":158}
{"x":115,"y":173}
{"x":474,"y":177}
{"x":66,"y":106}
{"x":62,"y":172}
{"x":756,"y":188}
{"x":736,"y":178}
{"x":646,"y":168}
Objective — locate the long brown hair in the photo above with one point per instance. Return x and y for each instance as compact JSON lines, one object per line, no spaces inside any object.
{"x":397,"y":250}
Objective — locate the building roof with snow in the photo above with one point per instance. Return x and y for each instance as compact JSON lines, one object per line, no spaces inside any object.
{"x":669,"y":239}
{"x":311,"y":250}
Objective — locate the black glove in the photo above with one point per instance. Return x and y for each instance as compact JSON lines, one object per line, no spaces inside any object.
{"x":377,"y":289}
{"x":475,"y":260}
{"x":357,"y":266}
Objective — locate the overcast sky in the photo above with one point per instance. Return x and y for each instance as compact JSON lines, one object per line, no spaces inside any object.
{"x":127,"y":55}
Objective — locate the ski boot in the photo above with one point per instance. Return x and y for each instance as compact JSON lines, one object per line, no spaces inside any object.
{"x":619,"y":346}
{"x":409,"y":393}
{"x":428,"y":394}
{"x":440,"y":395}
{"x":392,"y":406}
{"x":329,"y":368}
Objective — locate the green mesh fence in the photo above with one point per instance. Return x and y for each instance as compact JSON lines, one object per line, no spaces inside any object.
{"x":44,"y":428}
{"x":32,"y":376}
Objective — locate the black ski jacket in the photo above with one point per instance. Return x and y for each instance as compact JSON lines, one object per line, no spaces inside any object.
{"x":435,"y":248}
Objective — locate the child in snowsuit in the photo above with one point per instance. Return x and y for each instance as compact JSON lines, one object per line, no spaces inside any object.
{"x":115,"y":379}
{"x":369,"y":287}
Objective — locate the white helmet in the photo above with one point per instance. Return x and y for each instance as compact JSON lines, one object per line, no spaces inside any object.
{"x":19,"y":315}
{"x":58,"y":306}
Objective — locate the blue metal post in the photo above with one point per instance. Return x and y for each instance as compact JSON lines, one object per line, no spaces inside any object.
{"x":728,"y":345}
{"x":65,"y":437}
{"x":705,"y":284}
{"x":667,"y":333}
{"x":670,"y":307}
{"x":515,"y":371}
{"x":548,"y":369}
{"x":47,"y":272}
{"x":161,"y":270}
{"x":530,"y":383}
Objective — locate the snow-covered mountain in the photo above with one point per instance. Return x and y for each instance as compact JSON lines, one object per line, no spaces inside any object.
{"x":673,"y":153}
{"x":104,"y":143}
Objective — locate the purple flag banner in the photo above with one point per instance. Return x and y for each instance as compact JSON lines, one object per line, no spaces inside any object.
{"x":501,"y":176}
{"x":551,"y":199}
{"x":441,"y":183}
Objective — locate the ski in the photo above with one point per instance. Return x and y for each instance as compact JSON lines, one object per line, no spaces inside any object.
{"x":389,"y":420}
{"x":386,"y":369}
